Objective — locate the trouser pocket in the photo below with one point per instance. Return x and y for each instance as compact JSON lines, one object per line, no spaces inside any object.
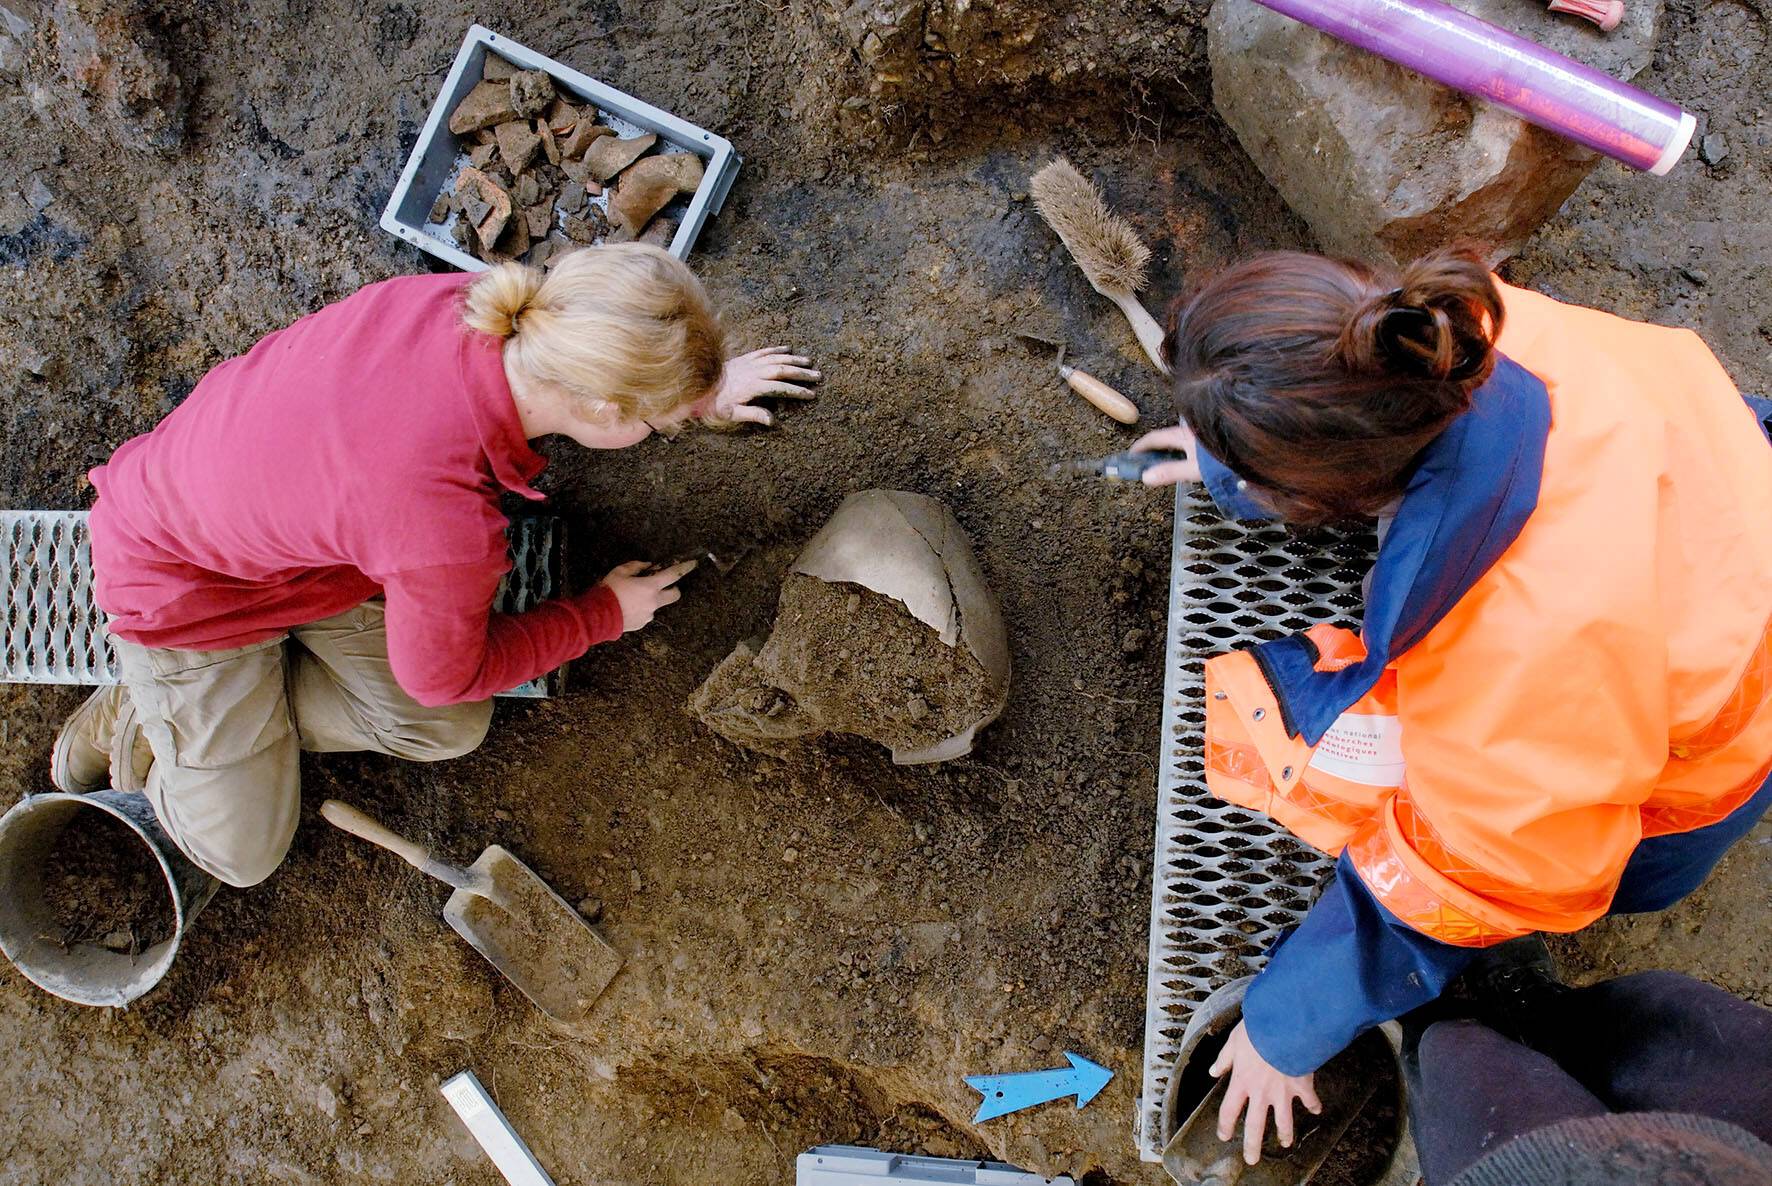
{"x":215,"y":708}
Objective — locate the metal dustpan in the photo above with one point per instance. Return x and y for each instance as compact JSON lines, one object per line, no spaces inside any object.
{"x":528,"y":932}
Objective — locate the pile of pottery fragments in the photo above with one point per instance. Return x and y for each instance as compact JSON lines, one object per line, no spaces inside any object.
{"x":544,"y":176}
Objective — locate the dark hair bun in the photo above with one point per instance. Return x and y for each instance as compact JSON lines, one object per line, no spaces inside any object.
{"x":1438,"y":322}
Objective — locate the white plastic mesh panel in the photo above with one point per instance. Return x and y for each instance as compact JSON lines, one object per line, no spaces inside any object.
{"x":1224,"y":879}
{"x":55,"y":634}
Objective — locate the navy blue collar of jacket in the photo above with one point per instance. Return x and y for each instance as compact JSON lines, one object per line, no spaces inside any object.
{"x":1470,"y":495}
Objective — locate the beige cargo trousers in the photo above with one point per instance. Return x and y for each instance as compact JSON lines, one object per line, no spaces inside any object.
{"x":227,"y":728}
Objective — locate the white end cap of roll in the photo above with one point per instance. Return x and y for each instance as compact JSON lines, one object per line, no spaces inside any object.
{"x":1676,"y":148}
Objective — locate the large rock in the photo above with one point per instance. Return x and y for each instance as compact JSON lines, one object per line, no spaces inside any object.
{"x":1383,"y":163}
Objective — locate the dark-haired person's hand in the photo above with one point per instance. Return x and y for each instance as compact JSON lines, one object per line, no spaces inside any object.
{"x":1264,"y":1089}
{"x":1179,"y":439}
{"x":772,"y":372}
{"x":642,"y":591}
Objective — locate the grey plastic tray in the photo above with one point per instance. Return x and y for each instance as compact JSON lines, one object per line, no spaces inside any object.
{"x":438,"y":152}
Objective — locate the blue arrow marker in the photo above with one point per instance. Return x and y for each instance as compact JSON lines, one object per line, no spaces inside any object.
{"x":1004,"y":1094}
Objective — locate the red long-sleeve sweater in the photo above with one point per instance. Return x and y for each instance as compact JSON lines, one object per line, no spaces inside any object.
{"x":358,"y":453}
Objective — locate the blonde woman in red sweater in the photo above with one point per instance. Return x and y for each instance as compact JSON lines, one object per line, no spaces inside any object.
{"x":304,"y":554}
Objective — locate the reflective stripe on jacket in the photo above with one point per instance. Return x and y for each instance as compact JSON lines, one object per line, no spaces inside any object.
{"x":1604,"y":680}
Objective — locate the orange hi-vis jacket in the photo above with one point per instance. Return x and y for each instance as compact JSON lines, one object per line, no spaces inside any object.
{"x":1605,"y":681}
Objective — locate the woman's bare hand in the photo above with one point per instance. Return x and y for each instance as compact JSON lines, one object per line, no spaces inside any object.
{"x":642,"y":592}
{"x":771,"y":372}
{"x":1178,"y":439}
{"x":1264,"y":1089}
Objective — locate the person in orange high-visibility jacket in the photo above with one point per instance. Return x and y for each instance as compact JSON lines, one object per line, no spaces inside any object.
{"x":1556,"y":706}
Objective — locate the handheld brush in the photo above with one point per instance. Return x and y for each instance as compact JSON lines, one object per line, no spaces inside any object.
{"x":1103,"y":244}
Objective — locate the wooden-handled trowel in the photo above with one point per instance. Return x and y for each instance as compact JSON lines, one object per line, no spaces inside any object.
{"x":510,"y":916}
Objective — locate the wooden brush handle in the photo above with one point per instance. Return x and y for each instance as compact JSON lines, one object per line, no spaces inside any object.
{"x":1100,"y":394}
{"x":1150,"y":334}
{"x":343,"y":815}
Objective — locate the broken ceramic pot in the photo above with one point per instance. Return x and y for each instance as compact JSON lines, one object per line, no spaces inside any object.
{"x":885,"y":629}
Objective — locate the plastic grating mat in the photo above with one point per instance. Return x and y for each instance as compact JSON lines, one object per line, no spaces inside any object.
{"x":54,"y":633}
{"x":1224,"y":879}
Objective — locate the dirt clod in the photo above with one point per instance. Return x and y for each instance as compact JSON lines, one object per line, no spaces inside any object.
{"x":531,"y":92}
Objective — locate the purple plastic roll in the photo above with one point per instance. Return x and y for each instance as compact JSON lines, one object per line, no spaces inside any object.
{"x":1539,"y":85}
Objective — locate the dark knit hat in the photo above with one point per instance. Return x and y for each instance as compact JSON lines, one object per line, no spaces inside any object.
{"x":1628,"y":1149}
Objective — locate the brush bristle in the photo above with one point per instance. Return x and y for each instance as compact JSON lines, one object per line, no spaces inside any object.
{"x":1104,"y":245}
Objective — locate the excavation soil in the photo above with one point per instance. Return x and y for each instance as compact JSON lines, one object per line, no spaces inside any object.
{"x":843,"y":658}
{"x":819,"y":946}
{"x":102,"y":885}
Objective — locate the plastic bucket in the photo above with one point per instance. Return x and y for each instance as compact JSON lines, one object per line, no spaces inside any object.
{"x":86,"y":973}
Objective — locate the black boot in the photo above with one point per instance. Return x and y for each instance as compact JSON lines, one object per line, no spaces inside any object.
{"x":1510,"y":988}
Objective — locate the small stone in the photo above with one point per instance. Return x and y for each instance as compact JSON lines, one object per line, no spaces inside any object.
{"x":590,"y":909}
{"x":443,"y":207}
{"x":326,"y":1099}
{"x":572,"y":197}
{"x":634,"y":879}
{"x":501,"y":814}
{"x":117,"y":941}
{"x":550,"y":144}
{"x":541,"y":220}
{"x":527,"y":190}
{"x":1696,"y":275}
{"x":497,"y":69}
{"x":531,"y":92}
{"x":918,"y":708}
{"x":485,"y":106}
{"x":475,"y":207}
{"x":540,"y":253}
{"x":481,"y":154}
{"x":561,"y":117}
{"x":609,"y":155}
{"x":659,"y":232}
{"x":584,"y":133}
{"x":517,"y":145}
{"x":581,"y":230}
{"x":516,"y":238}
{"x":1134,"y":641}
{"x":852,"y":603}
{"x":1714,"y":148}
{"x":38,"y":194}
{"x":789,"y":855}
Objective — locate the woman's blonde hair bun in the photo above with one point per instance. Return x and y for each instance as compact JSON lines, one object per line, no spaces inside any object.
{"x":498,"y":299}
{"x":626,"y":325}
